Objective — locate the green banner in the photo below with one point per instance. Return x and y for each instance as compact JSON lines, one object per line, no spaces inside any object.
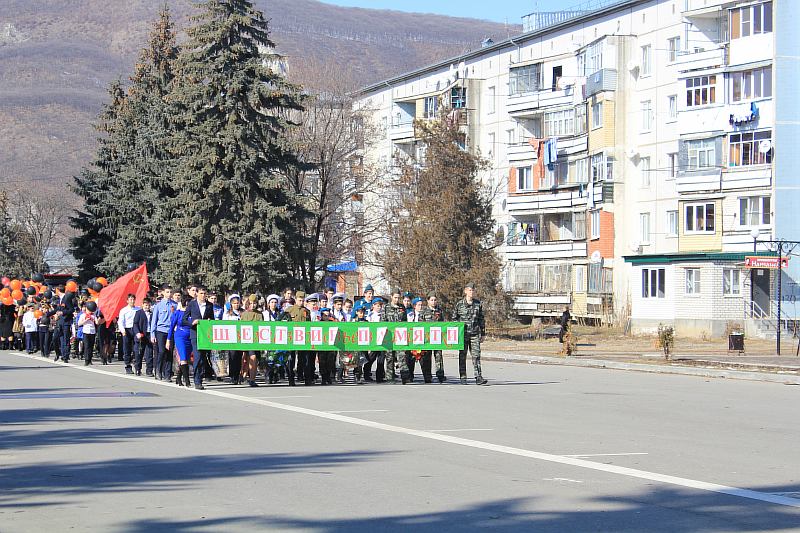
{"x":329,"y":336}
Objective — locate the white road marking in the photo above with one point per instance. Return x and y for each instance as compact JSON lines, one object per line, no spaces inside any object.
{"x":604,"y":454}
{"x":278,"y":397}
{"x":360,"y":411}
{"x":457,"y":430}
{"x":469,"y":443}
{"x":561,"y":479}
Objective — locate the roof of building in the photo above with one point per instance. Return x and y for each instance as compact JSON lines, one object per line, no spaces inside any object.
{"x":692,"y":257}
{"x":511,"y":41}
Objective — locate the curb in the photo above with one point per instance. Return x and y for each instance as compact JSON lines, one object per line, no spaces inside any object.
{"x":788,"y":378}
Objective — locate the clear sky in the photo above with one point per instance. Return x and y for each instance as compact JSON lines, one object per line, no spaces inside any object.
{"x":510,"y":11}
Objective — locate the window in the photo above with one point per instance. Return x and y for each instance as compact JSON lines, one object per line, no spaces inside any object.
{"x":673,"y":164}
{"x":579,"y":225}
{"x":699,"y":218}
{"x":511,"y":137}
{"x":647,"y":115}
{"x":644,"y":170}
{"x":701,"y":90}
{"x":644,"y":226}
{"x":591,"y":60}
{"x":672,"y":105}
{"x":559,"y":123}
{"x":754,"y":211}
{"x":491,"y":145}
{"x":653,"y":282}
{"x":582,"y":170}
{"x":431,"y":106}
{"x":692,"y":281}
{"x":672,"y":223}
{"x":674,"y":47}
{"x":580,"y":119}
{"x":524,"y":179}
{"x":557,"y":73}
{"x":384,"y":123}
{"x":491,"y":95}
{"x":597,"y":115}
{"x":525,"y":79}
{"x":731,"y":282}
{"x":458,"y":97}
{"x":595,"y":223}
{"x":751,"y":148}
{"x":751,"y":20}
{"x":598,"y":168}
{"x":647,"y":60}
{"x":751,"y":84}
{"x":702,"y":153}
{"x":580,"y":278}
{"x":558,"y":176}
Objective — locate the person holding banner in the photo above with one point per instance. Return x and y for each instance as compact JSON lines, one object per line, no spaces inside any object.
{"x":299,"y":313}
{"x":279,"y":358}
{"x":395,"y":312}
{"x":433,"y":313}
{"x":251,"y":314}
{"x":180,"y":336}
{"x":234,"y":356}
{"x":470,"y":311}
{"x":197,"y":310}
{"x":412,"y":356}
{"x":374,"y":312}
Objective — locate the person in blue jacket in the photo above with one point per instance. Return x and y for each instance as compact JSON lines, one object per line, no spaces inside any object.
{"x":179,"y":336}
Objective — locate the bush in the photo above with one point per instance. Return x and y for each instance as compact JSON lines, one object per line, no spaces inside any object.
{"x":666,"y":339}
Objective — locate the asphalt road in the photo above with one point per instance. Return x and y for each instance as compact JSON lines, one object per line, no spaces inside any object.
{"x":542,"y":448}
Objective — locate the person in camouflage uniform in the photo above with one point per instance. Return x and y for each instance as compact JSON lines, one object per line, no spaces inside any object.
{"x":395,"y":311}
{"x":470,"y":311}
{"x":433,"y":313}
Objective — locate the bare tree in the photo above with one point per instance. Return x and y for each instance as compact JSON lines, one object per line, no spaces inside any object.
{"x":41,"y":220}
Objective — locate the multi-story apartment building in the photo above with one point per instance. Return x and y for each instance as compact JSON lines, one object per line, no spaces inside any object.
{"x":633,"y":155}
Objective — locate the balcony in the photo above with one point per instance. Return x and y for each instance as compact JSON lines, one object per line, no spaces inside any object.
{"x":402,"y":132}
{"x":546,"y":250}
{"x":703,"y":180}
{"x":526,"y":104}
{"x":521,"y":152}
{"x":602,"y":80}
{"x":706,"y":59}
{"x":539,"y":201}
{"x":747,"y":177}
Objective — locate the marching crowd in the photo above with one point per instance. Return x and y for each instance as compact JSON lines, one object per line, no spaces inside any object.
{"x":159,"y":337}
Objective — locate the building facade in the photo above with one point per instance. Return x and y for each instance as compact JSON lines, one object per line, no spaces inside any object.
{"x":633,"y":156}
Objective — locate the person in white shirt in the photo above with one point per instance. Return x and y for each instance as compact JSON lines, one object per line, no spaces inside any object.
{"x":88,"y":324}
{"x":234,"y":356}
{"x":125,"y":326}
{"x":30,"y":328}
{"x":413,"y":355}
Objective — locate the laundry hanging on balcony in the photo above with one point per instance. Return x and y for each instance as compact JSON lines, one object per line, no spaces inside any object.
{"x":743,"y":114}
{"x":551,"y":152}
{"x":538,"y":169}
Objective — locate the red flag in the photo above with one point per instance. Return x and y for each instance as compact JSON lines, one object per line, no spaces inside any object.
{"x":114,"y":297}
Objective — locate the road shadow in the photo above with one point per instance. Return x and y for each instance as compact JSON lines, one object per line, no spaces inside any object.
{"x":145,"y":474}
{"x":11,"y":417}
{"x":660,"y":509}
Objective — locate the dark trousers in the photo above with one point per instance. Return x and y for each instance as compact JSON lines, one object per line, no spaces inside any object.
{"x":234,"y":365}
{"x":327,"y":366}
{"x":128,"y":352}
{"x":66,"y":336}
{"x":299,"y":363}
{"x":200,"y":361}
{"x":88,"y":348}
{"x":30,"y":341}
{"x":411,"y":361}
{"x":380,"y":371}
{"x":163,"y":360}
{"x":425,"y":365}
{"x":44,"y":341}
{"x":144,"y":351}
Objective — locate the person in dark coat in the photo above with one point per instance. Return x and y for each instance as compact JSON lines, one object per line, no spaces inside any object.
{"x":565,"y":318}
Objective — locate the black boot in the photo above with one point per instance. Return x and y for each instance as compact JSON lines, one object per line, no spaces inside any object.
{"x":178,"y":379}
{"x":340,"y":375}
{"x":185,"y":371}
{"x":479,"y":380}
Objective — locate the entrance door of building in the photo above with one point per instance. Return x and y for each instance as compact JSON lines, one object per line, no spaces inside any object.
{"x":760,"y":293}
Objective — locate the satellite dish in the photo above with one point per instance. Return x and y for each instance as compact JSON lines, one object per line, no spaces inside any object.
{"x":596,"y":257}
{"x":635,"y":246}
{"x":633,"y":65}
{"x":764,"y":146}
{"x":632,"y":153}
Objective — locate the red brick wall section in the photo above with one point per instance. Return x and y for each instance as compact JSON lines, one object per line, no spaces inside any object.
{"x":512,"y":180}
{"x":605,"y":244}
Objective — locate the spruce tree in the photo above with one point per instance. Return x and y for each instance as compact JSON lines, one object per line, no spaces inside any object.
{"x":233,"y":208}
{"x":443,"y":233}
{"x":141,"y":199}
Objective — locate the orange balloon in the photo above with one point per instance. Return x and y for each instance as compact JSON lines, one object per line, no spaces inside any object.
{"x":17,"y":294}
{"x":8,"y":301}
{"x":72,"y":286}
{"x":5,"y":292}
{"x":15,"y":284}
{"x":102,"y":281}
{"x":37,"y":314}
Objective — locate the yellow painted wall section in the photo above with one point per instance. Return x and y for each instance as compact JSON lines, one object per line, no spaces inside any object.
{"x":704,"y":242}
{"x":579,"y":306}
{"x":420,"y":110}
{"x":602,"y":137}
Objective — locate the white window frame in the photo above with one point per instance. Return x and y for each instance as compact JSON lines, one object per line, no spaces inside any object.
{"x":644,"y":172}
{"x":743,"y":149}
{"x":672,"y":223}
{"x":674,"y":47}
{"x":491,"y":96}
{"x":580,"y":278}
{"x":701,"y":90}
{"x":597,"y":115}
{"x":595,"y":224}
{"x":582,"y":170}
{"x":492,"y":140}
{"x":511,"y":136}
{"x":647,"y":115}
{"x":693,"y":281}
{"x":752,"y":20}
{"x":581,"y":122}
{"x":731,"y":282}
{"x":524,"y":178}
{"x":691,"y":218}
{"x":644,"y":228}
{"x":525,"y":79}
{"x":672,"y":107}
{"x":750,"y":84}
{"x":672,"y":159}
{"x":654,"y":283}
{"x":431,"y":107}
{"x":559,"y":123}
{"x":702,"y":153}
{"x":755,"y":207}
{"x":647,"y":60}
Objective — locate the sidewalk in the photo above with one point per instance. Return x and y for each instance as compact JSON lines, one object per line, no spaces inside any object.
{"x":706,"y":363}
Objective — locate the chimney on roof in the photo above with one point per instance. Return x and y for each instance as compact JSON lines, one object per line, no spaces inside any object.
{"x":486,"y":43}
